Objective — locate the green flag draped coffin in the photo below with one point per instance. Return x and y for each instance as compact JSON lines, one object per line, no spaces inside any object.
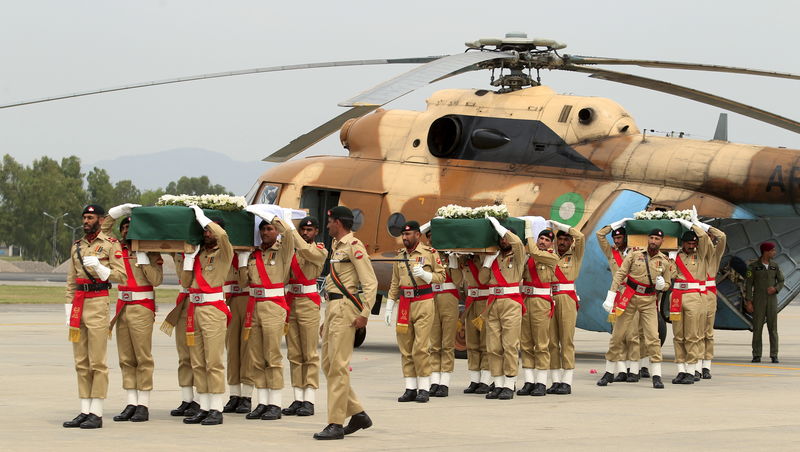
{"x":172,"y":228}
{"x":470,"y":234}
{"x":638,"y":231}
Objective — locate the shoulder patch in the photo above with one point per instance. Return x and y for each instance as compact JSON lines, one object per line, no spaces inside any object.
{"x":118,"y":254}
{"x":358,"y":254}
{"x":112,"y":240}
{"x":320,"y":245}
{"x":354,"y":242}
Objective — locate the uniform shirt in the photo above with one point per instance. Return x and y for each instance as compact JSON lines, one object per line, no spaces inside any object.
{"x":608,"y":249}
{"x":760,"y":277}
{"x":358,"y":270}
{"x":277,"y":258}
{"x":634,"y":266}
{"x":512,"y":265}
{"x":310,"y":256}
{"x":715,"y":255}
{"x":697,"y":262}
{"x":151,"y":274}
{"x":546,"y":262}
{"x":214,"y":262}
{"x":108,"y":251}
{"x":421,"y":255}
{"x":467,"y":279}
{"x":570,"y":262}
{"x":454,"y":273}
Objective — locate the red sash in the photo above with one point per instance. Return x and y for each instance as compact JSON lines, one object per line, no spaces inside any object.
{"x":448,"y":279}
{"x":617,"y":257}
{"x":624,"y":297}
{"x":298,"y":277}
{"x":537,"y":283}
{"x":501,"y":282}
{"x":132,"y":286}
{"x":266,"y":283}
{"x":474,"y":270}
{"x":203,"y":289}
{"x":562,"y":279}
{"x":711,"y":279}
{"x":77,"y":308}
{"x":404,"y":306}
{"x":676,"y":300}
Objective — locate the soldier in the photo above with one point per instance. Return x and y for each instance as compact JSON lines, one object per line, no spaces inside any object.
{"x":571,"y":244}
{"x":764,"y":281}
{"x":503,"y":273}
{"x":134,"y":317}
{"x":239,"y":369}
{"x":412,"y":286}
{"x":346,"y":311}
{"x":535,"y":337}
{"x":304,"y":301}
{"x":445,"y":323}
{"x":207,"y":317}
{"x":633,"y":342}
{"x":267,"y":274}
{"x":687,"y":310}
{"x":642,"y":274}
{"x":94,"y":260}
{"x":474,"y":305}
{"x":718,"y":241}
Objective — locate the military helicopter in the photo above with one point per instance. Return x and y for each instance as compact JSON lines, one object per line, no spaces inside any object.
{"x":579,"y":160}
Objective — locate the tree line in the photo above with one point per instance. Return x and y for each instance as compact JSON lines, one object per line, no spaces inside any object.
{"x":59,"y":188}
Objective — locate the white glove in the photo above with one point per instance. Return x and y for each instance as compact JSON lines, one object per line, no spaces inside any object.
{"x":242,"y":257}
{"x":141,"y":258}
{"x":559,"y":226}
{"x":265,"y":211}
{"x":497,"y":226}
{"x":200,"y":216}
{"x":418,"y":272}
{"x":533,"y":225}
{"x":287,"y":219}
{"x":618,"y":224}
{"x":122,"y":210}
{"x":686,"y":224}
{"x":93,"y":262}
{"x":703,"y":226}
{"x":608,"y":305}
{"x":693,"y":216}
{"x":452,"y":260}
{"x":424,"y":228}
{"x":387,"y":315}
{"x":188,"y":259}
{"x":661,"y":284}
{"x":489,"y":259}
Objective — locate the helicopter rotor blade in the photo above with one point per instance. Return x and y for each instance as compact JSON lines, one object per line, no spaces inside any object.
{"x":416,"y":60}
{"x":586,"y":60}
{"x":689,"y":93}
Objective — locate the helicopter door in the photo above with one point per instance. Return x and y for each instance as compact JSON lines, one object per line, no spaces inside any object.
{"x":319,"y":201}
{"x":366,"y":209}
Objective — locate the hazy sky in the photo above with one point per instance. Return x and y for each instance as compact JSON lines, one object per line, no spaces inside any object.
{"x":56,"y":47}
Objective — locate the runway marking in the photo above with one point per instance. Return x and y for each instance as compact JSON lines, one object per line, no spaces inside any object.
{"x":756,"y":365}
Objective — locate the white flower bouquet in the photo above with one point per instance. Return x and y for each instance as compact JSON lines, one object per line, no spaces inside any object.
{"x":217,"y":202}
{"x":663,"y":215}
{"x":454,"y":211}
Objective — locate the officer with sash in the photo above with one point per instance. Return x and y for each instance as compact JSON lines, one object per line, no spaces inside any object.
{"x":411,"y":285}
{"x":95,"y":260}
{"x":718,"y":241}
{"x":346,"y":311}
{"x":134,"y":317}
{"x":474,"y":305}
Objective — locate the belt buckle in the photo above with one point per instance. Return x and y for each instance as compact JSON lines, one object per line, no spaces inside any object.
{"x":296,"y":289}
{"x":436,"y":287}
{"x":497,"y":291}
{"x":473,"y":292}
{"x":261,"y":292}
{"x":408,"y":293}
{"x":126,"y":296}
{"x":235,"y":288}
{"x":196,"y":297}
{"x":554,"y":287}
{"x":683,"y":286}
{"x":640,"y":288}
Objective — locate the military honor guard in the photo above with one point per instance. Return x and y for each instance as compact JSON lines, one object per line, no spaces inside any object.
{"x":304,"y":303}
{"x":477,"y":294}
{"x":239,"y":369}
{"x":633,"y":291}
{"x":134,"y":316}
{"x":570,"y":245}
{"x":347,"y":310}
{"x":411,"y":285}
{"x":718,"y":241}
{"x":95,"y":259}
{"x":764,"y":281}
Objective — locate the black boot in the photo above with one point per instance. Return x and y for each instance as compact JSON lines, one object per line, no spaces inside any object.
{"x":564,"y":389}
{"x":482,"y":388}
{"x":126,"y":414}
{"x":272,"y":413}
{"x":197,"y":418}
{"x":757,"y":359}
{"x":434,"y":388}
{"x":494,"y":393}
{"x":331,"y":431}
{"x":607,"y":378}
{"x":525,"y":389}
{"x":214,"y":418}
{"x":306,"y":409}
{"x":442,"y":391}
{"x":706,"y":374}
{"x":657,"y":384}
{"x":553,"y":388}
{"x":697,"y":376}
{"x":621,"y":377}
{"x":505,"y":394}
{"x":92,"y":421}
{"x":76,"y":422}
{"x":357,"y":422}
{"x":233,"y":402}
{"x":257,"y":412}
{"x":142,"y":414}
{"x":422,"y":396}
{"x":244,"y":406}
{"x":409,"y":395}
{"x":678,"y":378}
{"x":186,"y":409}
{"x":774,"y":359}
{"x":539,"y":389}
{"x":473,"y":385}
{"x":291,"y":410}
{"x":644,"y":372}
{"x":633,"y":377}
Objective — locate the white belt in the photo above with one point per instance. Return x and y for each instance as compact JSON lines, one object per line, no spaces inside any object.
{"x":562,"y":287}
{"x":300,"y":289}
{"x":711,"y":283}
{"x":206,"y":297}
{"x":444,"y":286}
{"x":184,"y":290}
{"x":474,"y":293}
{"x":261,"y":292}
{"x":504,"y":290}
{"x":687,"y":286}
{"x":126,"y":295}
{"x":536,"y":291}
{"x":232,"y":289}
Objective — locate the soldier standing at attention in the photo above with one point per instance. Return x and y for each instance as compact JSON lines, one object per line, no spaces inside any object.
{"x":94,"y":260}
{"x":134,"y":317}
{"x":764,"y":281}
{"x":411,"y":284}
{"x":347,"y":310}
{"x":571,"y":245}
{"x":240,"y":382}
{"x":474,"y":305}
{"x":304,"y":301}
{"x":207,"y":317}
{"x":718,"y":241}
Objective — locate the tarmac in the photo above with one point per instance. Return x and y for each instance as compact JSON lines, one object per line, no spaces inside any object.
{"x":744,"y":406}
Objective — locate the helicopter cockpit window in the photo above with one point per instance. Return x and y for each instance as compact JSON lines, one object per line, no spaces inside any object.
{"x":395,"y":224}
{"x":358,"y":219}
{"x":269,"y":194}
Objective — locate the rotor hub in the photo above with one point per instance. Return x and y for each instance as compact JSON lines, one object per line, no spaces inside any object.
{"x":529,"y":54}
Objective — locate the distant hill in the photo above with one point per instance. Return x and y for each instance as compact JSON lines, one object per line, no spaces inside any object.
{"x":151,"y":171}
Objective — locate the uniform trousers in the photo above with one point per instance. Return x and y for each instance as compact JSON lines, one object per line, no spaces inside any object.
{"x":443,"y":333}
{"x":477,"y":358}
{"x":239,"y":367}
{"x":338,"y":335}
{"x":710,"y":301}
{"x":503,"y":324}
{"x":135,"y":346}
{"x":208,"y":364}
{"x":185,"y":374}
{"x":562,"y":333}
{"x":265,"y":345}
{"x":415,"y":342}
{"x":90,"y":350}
{"x":301,"y":343}
{"x":688,"y":332}
{"x":535,"y":334}
{"x":644,"y":307}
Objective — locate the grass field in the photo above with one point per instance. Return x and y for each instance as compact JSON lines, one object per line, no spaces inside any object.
{"x":49,"y":294}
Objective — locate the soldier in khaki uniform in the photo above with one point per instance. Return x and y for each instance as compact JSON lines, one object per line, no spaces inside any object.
{"x":207,"y":318}
{"x":240,"y":380}
{"x":267,"y":274}
{"x":764,"y":281}
{"x":94,"y":260}
{"x":475,"y":304}
{"x":718,"y":242}
{"x":571,"y":245}
{"x":687,"y":308}
{"x":642,"y":274}
{"x":503,"y":273}
{"x":304,"y":301}
{"x":346,"y":311}
{"x":445,"y":324}
{"x":411,"y":284}
{"x":535,"y":336}
{"x":134,"y":318}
